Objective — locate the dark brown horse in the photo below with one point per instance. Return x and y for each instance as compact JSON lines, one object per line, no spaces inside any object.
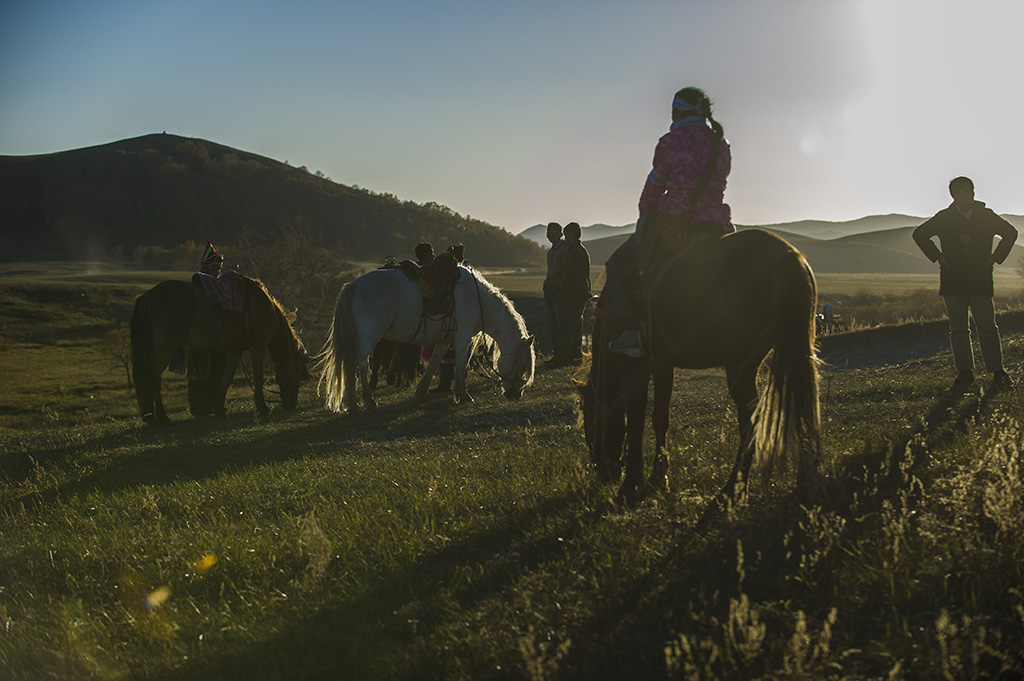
{"x":720,"y":302}
{"x":175,"y":314}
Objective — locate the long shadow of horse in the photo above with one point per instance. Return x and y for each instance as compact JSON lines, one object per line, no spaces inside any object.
{"x":701,"y":573}
{"x":394,"y":613}
{"x":192,"y":450}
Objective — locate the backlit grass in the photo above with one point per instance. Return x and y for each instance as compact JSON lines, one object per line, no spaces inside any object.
{"x":469,"y":542}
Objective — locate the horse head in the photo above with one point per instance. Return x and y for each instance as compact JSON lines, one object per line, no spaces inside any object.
{"x":291,"y":372}
{"x":517,"y":370}
{"x":601,"y":413}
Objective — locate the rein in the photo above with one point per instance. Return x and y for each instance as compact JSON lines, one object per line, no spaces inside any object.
{"x":252,"y":384}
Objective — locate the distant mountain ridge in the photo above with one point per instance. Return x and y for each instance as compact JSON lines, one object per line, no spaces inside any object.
{"x":886,"y":251}
{"x":816,"y":229}
{"x":164,"y":190}
{"x":539,"y":233}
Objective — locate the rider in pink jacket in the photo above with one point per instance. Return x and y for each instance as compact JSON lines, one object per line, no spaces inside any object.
{"x":677,"y":198}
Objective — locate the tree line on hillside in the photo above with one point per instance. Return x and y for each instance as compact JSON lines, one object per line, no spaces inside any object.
{"x":164,"y":190}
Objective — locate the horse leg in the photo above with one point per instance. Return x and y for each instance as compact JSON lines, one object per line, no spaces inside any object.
{"x":742,"y":381}
{"x":461,"y":366}
{"x":230,"y":364}
{"x":611,"y":434}
{"x":257,"y":381}
{"x":435,"y":359}
{"x":662,"y":399}
{"x":164,"y":351}
{"x":368,"y":400}
{"x":375,"y":363}
{"x":151,"y":406}
{"x":633,"y":489}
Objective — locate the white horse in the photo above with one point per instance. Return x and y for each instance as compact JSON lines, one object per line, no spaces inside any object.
{"x":387,"y":304}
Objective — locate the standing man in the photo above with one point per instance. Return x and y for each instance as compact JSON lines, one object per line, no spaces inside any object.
{"x":574,"y":289}
{"x":552,"y":301}
{"x":965,"y":231}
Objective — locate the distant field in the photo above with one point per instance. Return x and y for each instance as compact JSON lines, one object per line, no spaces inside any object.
{"x":82,"y":300}
{"x":1007,"y":283}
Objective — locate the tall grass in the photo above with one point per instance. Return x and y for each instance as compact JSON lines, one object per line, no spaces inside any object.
{"x":864,"y":308}
{"x":473,"y":542}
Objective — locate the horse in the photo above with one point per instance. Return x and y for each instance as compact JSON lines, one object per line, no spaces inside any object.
{"x":387,"y":304}
{"x":176,"y":314}
{"x":721,"y":301}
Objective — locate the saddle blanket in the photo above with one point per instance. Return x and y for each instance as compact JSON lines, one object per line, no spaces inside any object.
{"x":437,"y":282}
{"x":227,"y":290}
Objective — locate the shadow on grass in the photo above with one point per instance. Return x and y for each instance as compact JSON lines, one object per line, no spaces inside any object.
{"x":196,"y":449}
{"x":383,"y":632}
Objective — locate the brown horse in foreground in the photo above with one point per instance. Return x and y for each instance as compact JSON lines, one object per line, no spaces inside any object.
{"x":175,"y":314}
{"x":720,"y":302}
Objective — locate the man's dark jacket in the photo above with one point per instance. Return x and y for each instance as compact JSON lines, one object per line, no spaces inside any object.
{"x":967,"y":247}
{"x":575,"y":285}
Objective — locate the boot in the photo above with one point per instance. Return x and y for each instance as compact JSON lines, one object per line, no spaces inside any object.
{"x":629,"y":343}
{"x":444,"y":381}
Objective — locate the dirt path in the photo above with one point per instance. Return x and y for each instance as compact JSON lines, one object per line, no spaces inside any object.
{"x":898,"y":344}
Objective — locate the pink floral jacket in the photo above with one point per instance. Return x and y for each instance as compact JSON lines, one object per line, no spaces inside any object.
{"x":679,"y":161}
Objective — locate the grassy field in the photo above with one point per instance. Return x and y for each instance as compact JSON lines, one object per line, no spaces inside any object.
{"x":474,"y":542}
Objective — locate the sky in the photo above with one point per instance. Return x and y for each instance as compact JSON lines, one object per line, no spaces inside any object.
{"x":519,"y":113}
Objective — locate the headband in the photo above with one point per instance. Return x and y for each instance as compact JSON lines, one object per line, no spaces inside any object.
{"x":683,"y":105}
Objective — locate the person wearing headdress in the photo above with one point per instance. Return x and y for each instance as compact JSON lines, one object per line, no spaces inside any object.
{"x":212,"y":262}
{"x":206,"y":368}
{"x":684,"y":193}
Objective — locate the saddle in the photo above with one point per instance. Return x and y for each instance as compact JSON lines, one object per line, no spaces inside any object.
{"x":671,"y":244}
{"x":436,"y":280}
{"x":228,"y":290}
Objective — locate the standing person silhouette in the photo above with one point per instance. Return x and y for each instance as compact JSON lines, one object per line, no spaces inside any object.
{"x":552,"y":299}
{"x":965,"y":230}
{"x":574,"y":293}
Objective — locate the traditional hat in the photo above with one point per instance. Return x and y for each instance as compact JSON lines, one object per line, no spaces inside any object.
{"x":211,"y":258}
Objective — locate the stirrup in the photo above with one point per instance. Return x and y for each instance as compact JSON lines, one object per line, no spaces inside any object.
{"x":628,"y":343}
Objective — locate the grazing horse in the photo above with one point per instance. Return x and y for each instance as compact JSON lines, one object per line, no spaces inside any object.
{"x":718,"y":302}
{"x":173,"y":314}
{"x":387,"y":304}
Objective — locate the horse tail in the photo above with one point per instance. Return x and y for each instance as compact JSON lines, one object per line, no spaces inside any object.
{"x":788,"y":415}
{"x":141,"y":340}
{"x":339,"y":350}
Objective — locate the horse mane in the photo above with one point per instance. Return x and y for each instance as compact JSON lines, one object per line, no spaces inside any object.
{"x":516,"y":323}
{"x":292,"y":343}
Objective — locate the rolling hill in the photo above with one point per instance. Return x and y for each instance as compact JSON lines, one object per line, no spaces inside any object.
{"x":890,"y":251}
{"x":164,"y":190}
{"x":815,"y":229}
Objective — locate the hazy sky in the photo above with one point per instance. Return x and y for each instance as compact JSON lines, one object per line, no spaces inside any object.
{"x":529,"y":111}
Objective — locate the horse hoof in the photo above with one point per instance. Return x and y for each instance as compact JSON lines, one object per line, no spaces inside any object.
{"x":658,"y":485}
{"x":632,"y":495}
{"x":464,"y":397}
